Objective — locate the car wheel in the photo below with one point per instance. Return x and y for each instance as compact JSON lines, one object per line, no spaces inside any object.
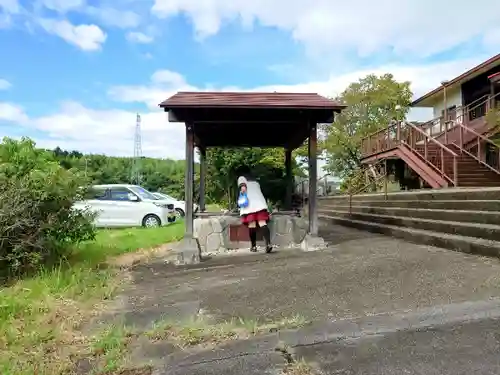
{"x":151,"y":221}
{"x":179,"y":212}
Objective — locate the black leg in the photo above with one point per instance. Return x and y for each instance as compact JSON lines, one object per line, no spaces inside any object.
{"x":253,"y":238}
{"x":267,"y":237}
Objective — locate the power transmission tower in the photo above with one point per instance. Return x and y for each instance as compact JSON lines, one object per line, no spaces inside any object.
{"x":136,"y":162}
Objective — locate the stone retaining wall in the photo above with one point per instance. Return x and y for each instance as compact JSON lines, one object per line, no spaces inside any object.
{"x":213,"y":232}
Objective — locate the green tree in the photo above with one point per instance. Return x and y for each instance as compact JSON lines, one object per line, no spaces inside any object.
{"x":157,"y":174}
{"x":224,"y":165}
{"x":37,"y":222}
{"x":372,"y":103}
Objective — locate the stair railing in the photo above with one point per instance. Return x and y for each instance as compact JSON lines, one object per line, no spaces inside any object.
{"x":465,"y":114}
{"x":381,"y":140}
{"x":479,"y":138}
{"x":355,"y":189}
{"x":387,"y":138}
{"x":412,"y":135}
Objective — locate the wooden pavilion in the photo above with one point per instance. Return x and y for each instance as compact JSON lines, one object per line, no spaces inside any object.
{"x":249,"y":119}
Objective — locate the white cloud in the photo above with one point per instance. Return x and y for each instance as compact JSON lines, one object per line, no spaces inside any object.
{"x":414,"y":27}
{"x":10,"y":6}
{"x":492,"y":39}
{"x":114,"y":17}
{"x":164,"y":83}
{"x":64,"y":129}
{"x":111,"y":131}
{"x":63,"y":6}
{"x":4,"y":84}
{"x":10,"y":112}
{"x":424,"y":78}
{"x":138,"y":37}
{"x":85,"y":37}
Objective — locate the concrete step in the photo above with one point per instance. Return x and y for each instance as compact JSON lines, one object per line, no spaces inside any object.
{"x":426,"y":237}
{"x":485,"y":231}
{"x":472,"y":205}
{"x":475,"y":193}
{"x":465,"y":216}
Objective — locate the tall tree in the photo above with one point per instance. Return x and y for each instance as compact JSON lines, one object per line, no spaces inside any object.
{"x":372,"y":103}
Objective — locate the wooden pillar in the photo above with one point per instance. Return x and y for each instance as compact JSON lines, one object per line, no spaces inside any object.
{"x":313,"y":179}
{"x":203,"y":174}
{"x":289,"y":179}
{"x":189,"y":181}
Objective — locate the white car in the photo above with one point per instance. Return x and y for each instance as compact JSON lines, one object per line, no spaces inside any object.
{"x":126,"y":206}
{"x":179,"y":206}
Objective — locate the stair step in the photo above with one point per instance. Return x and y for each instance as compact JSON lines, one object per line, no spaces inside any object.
{"x":463,"y":205}
{"x":485,"y":231}
{"x":454,"y":242}
{"x":459,"y":194}
{"x":464,"y":216}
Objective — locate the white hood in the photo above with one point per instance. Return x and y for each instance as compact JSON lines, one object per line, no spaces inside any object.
{"x":242,"y":180}
{"x":256,"y":200}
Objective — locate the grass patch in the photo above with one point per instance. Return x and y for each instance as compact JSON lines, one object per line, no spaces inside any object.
{"x":300,"y":367}
{"x":114,"y":242}
{"x":110,"y":347}
{"x":40,"y":316}
{"x":201,"y":331}
{"x":214,"y":207}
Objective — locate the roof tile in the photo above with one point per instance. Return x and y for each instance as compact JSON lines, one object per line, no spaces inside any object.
{"x":249,"y":99}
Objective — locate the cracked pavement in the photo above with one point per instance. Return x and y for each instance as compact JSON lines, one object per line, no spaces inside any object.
{"x":378,"y":305}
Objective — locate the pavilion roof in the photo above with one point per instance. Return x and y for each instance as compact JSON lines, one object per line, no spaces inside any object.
{"x":250,"y":119}
{"x":250,"y":100}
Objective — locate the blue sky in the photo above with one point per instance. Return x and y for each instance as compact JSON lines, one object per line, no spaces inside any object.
{"x":74,"y":72}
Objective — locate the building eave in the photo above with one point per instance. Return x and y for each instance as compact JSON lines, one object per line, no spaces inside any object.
{"x":431,"y":96}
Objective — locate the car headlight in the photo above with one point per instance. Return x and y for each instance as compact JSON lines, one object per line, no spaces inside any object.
{"x":162,"y":205}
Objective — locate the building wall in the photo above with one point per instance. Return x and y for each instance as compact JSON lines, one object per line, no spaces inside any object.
{"x":453,"y":97}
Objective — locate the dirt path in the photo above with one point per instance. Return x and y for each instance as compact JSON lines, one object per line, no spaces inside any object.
{"x":359,"y":276}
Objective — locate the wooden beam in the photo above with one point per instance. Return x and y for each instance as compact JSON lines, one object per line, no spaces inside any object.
{"x":262,"y":115}
{"x":289,"y":179}
{"x":313,"y":179}
{"x":189,"y":181}
{"x":203,"y":174}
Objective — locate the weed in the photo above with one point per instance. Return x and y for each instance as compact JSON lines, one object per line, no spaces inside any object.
{"x":109,"y":348}
{"x":300,"y":367}
{"x":40,"y":317}
{"x":200,"y":330}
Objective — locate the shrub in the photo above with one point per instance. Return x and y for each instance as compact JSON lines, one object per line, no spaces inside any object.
{"x":37,"y":222}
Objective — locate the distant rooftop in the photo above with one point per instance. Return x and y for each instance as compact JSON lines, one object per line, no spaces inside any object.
{"x":464,"y":77}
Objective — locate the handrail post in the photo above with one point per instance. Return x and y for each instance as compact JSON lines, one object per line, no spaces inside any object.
{"x":455,"y":175}
{"x":479,"y":148}
{"x":445,"y":132}
{"x":461,"y":137}
{"x":442,"y":162}
{"x":425,"y":149}
{"x":385,"y":179}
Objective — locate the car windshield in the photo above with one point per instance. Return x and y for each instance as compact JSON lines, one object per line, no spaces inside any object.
{"x":143,"y":193}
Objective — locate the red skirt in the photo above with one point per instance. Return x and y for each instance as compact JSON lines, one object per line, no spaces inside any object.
{"x":255,"y":216}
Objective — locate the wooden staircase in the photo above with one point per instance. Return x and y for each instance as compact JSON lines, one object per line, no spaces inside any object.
{"x":470,"y":172}
{"x":450,"y":157}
